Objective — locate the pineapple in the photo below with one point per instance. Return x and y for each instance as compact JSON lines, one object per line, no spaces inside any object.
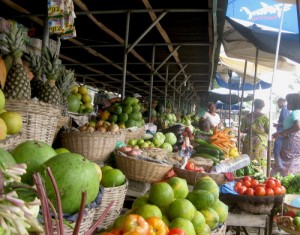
{"x":64,"y":84}
{"x":17,"y":84}
{"x":37,"y":69}
{"x":52,"y":69}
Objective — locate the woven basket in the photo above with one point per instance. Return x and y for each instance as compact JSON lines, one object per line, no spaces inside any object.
{"x":155,"y":153}
{"x":96,"y":146}
{"x":11,"y":141}
{"x":192,"y":177}
{"x":141,"y":170}
{"x":116,"y":194}
{"x":86,"y":224}
{"x":39,"y":119}
{"x":220,"y":230}
{"x":278,"y":220}
{"x":258,"y":204}
{"x":62,"y":121}
{"x":134,"y":134}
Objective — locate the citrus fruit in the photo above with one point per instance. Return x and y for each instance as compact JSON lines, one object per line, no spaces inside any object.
{"x":83,"y":90}
{"x":112,"y":178}
{"x":34,"y":154}
{"x":86,"y":98}
{"x":139,"y":201}
{"x":13,"y":121}
{"x":149,"y":210}
{"x":201,"y":199}
{"x":61,"y":150}
{"x":74,"y":89}
{"x":198,"y":221}
{"x":181,"y":208}
{"x":184,"y":224}
{"x":73,"y":103}
{"x":179,"y":186}
{"x":211,"y":217}
{"x":161,"y":194}
{"x":222,"y":210}
{"x":2,"y":100}
{"x":3,"y":129}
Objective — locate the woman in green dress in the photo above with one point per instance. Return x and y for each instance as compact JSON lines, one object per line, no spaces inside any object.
{"x":256,"y":127}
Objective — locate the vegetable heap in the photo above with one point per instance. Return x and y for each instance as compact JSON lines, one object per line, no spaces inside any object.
{"x":292,"y":183}
{"x":16,"y":216}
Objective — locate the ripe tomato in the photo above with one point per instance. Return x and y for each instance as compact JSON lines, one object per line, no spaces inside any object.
{"x":237,"y":185}
{"x":247,"y":178}
{"x":271,"y":178}
{"x":269,"y":192}
{"x":261,"y":185}
{"x":190,"y":166}
{"x":157,"y":226}
{"x":247,"y":184}
{"x":259,"y":191}
{"x":283,"y":190}
{"x":277,"y":190}
{"x":241,"y":190}
{"x":254,"y":183}
{"x":270,"y":184}
{"x":176,"y":231}
{"x":249,"y":192}
{"x":135,"y":224}
{"x":277,"y":182}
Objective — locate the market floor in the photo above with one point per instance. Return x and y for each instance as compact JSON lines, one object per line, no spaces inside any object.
{"x":255,"y":231}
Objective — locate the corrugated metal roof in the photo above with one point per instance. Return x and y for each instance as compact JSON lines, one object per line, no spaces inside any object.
{"x":180,"y":45}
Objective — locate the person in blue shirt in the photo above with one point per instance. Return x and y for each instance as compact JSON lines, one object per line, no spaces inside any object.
{"x":290,"y":151}
{"x":279,"y":127}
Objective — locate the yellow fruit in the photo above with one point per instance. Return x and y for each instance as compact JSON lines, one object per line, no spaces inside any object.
{"x":99,"y":172}
{"x":74,"y":89}
{"x":105,"y":115}
{"x":86,"y":98}
{"x":3,"y":73}
{"x":3,"y":129}
{"x":233,"y":152}
{"x":13,"y":122}
{"x":2,"y":100}
{"x":83,"y":90}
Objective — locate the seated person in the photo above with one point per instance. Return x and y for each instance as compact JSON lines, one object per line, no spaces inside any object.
{"x":205,"y":129}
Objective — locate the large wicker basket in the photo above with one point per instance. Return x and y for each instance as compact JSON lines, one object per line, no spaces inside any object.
{"x":116,"y":194}
{"x":10,"y":142}
{"x":259,"y":204}
{"x":39,"y":119}
{"x":280,"y":221}
{"x":85,"y":225}
{"x":141,"y":170}
{"x":96,"y":146}
{"x":134,"y":134}
{"x":192,"y":177}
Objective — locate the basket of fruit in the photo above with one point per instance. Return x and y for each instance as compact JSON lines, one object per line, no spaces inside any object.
{"x":192,"y":176}
{"x":139,"y":168}
{"x":288,"y":224}
{"x":117,"y":195}
{"x":93,"y":145}
{"x":134,"y":133}
{"x":39,"y":119}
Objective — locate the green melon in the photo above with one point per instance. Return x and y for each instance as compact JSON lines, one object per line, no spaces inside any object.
{"x":123,"y":117}
{"x":136,"y":108}
{"x":73,"y":103}
{"x":34,"y":154}
{"x":73,"y":174}
{"x":6,"y":158}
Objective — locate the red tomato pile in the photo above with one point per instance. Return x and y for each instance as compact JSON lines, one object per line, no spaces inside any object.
{"x":252,"y":187}
{"x":190,"y":166}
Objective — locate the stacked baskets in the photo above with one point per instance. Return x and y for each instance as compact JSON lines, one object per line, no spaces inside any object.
{"x":96,"y":146}
{"x":115,"y":194}
{"x":192,"y":177}
{"x":141,"y":170}
{"x":39,"y":119}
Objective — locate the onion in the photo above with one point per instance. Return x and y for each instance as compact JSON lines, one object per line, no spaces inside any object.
{"x":125,"y":149}
{"x":133,"y":152}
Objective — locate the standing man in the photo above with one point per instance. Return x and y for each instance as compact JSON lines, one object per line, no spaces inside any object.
{"x":279,"y":126}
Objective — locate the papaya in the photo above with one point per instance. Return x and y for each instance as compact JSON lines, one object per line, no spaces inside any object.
{"x":211,"y":217}
{"x":3,"y":73}
{"x":201,"y":199}
{"x":221,"y":209}
{"x":208,"y":184}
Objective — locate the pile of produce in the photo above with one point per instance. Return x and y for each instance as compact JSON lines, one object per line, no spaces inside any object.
{"x":101,"y":126}
{"x":111,"y":177}
{"x":288,"y":223}
{"x":18,"y":206}
{"x":252,"y":187}
{"x":80,"y":101}
{"x":167,"y":120}
{"x":196,"y":212}
{"x":126,"y":114}
{"x":291,"y":182}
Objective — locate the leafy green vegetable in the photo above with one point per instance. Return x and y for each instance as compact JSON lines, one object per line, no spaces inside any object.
{"x":291,"y":183}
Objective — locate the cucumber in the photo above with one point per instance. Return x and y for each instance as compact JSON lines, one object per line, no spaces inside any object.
{"x":204,"y":143}
{"x":208,"y":156}
{"x":213,"y":152}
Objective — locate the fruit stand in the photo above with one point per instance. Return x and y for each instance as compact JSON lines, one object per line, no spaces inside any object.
{"x":70,"y":167}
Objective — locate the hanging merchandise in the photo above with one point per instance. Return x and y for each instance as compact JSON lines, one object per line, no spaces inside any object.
{"x":61,"y":18}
